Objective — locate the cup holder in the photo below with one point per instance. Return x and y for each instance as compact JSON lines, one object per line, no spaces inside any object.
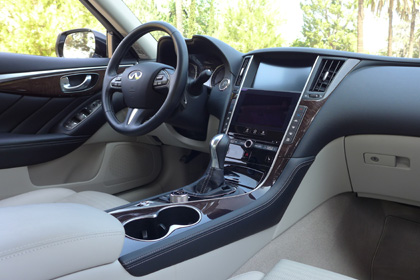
{"x":162,"y":223}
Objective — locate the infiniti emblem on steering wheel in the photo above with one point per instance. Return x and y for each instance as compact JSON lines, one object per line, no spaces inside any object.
{"x":135,"y":75}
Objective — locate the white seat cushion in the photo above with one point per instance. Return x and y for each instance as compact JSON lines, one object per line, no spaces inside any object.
{"x":290,"y":270}
{"x":102,"y":201}
{"x":45,"y":241}
{"x":251,"y":275}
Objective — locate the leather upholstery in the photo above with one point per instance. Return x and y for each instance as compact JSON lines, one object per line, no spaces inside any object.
{"x":290,"y":270}
{"x":97,"y":200}
{"x":45,"y":241}
{"x":251,"y":275}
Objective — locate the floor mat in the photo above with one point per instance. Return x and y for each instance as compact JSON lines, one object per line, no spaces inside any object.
{"x":398,"y":253}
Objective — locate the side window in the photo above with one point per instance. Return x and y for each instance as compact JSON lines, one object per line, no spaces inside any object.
{"x":32,"y":27}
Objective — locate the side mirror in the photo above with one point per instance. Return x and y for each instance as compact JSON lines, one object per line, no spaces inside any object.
{"x":81,"y":43}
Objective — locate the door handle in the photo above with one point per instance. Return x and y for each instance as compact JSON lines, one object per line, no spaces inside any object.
{"x":67,"y":87}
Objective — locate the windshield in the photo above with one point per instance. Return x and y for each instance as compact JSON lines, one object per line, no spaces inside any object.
{"x":364,"y":26}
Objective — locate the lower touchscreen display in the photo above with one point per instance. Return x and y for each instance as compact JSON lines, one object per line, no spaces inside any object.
{"x":263,"y":113}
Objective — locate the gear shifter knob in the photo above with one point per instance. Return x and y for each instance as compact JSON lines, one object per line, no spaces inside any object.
{"x":219,"y":146}
{"x":213,"y":182}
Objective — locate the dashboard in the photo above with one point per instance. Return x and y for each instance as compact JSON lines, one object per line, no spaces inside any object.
{"x":199,"y":63}
{"x":212,"y":59}
{"x":286,"y":103}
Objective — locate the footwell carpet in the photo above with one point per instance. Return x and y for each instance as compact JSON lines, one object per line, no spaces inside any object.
{"x":398,"y":253}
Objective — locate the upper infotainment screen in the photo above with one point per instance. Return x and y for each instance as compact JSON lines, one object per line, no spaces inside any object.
{"x":263,"y":114}
{"x":282,"y":78}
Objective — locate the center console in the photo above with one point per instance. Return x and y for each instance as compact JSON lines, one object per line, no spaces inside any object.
{"x":261,"y":121}
{"x":266,"y":116}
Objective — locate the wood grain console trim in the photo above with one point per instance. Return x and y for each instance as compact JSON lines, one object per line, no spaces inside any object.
{"x":287,"y":150}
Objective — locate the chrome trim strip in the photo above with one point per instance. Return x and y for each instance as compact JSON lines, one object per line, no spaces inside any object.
{"x":240,"y":88}
{"x":16,"y":76}
{"x":133,"y":114}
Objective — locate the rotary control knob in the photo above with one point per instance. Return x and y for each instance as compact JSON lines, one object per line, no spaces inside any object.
{"x":248,"y":143}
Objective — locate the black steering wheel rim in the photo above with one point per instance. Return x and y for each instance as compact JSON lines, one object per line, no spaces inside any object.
{"x":176,"y":86}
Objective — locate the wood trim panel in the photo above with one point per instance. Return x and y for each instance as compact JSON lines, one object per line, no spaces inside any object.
{"x":287,"y":150}
{"x":49,"y":85}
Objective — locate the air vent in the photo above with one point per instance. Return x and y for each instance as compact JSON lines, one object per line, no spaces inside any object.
{"x":242,"y":72}
{"x":329,"y":68}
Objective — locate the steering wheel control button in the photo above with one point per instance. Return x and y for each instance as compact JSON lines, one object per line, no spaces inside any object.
{"x":161,"y":79}
{"x":116,"y":82}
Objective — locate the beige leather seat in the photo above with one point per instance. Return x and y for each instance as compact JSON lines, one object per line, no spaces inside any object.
{"x":46,"y":241}
{"x":290,"y":270}
{"x":99,"y":200}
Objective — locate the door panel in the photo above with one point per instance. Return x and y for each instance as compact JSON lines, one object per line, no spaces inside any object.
{"x":35,"y":106}
{"x":22,"y":149}
{"x":110,"y":168}
{"x":37,"y":147}
{"x":31,"y":115}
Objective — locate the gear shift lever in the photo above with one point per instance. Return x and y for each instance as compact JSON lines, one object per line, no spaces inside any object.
{"x":213,"y":182}
{"x":219,"y":146}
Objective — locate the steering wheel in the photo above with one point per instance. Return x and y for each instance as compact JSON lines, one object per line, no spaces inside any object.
{"x":151,"y":90}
